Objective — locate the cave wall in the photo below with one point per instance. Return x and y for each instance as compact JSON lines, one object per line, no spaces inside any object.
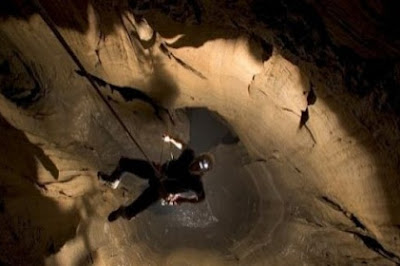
{"x":254,"y":64}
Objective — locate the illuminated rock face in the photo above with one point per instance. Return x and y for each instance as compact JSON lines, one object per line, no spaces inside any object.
{"x":310,"y":90}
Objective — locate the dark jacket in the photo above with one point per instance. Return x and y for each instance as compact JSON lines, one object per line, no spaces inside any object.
{"x":179,"y":179}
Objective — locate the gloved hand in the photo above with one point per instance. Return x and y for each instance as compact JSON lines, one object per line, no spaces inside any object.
{"x":166,"y":138}
{"x":171,"y":199}
{"x":175,"y":142}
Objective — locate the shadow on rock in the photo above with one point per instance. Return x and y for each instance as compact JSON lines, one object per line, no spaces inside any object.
{"x":33,"y":225}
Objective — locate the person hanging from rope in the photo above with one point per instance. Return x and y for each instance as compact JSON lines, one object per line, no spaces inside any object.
{"x":176,"y":181}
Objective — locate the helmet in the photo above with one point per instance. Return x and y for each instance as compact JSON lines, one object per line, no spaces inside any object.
{"x":202,"y":164}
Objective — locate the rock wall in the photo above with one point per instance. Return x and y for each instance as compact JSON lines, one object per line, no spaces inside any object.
{"x":309,"y":87}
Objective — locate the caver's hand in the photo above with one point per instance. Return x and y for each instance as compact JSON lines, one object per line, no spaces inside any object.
{"x":172,"y":199}
{"x":167,"y":200}
{"x":177,"y":143}
{"x":166,"y":138}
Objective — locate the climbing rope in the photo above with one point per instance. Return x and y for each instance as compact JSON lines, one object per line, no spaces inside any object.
{"x":50,"y":23}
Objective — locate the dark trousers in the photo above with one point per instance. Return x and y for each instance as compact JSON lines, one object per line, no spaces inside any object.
{"x":144,"y":170}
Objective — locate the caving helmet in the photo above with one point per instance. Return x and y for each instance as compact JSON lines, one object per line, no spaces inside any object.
{"x":201,"y":164}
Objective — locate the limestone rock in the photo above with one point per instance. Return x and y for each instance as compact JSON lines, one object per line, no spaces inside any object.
{"x":307,"y":89}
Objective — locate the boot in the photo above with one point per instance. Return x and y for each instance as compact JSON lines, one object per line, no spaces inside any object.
{"x":116,"y":214}
{"x":108,"y":180}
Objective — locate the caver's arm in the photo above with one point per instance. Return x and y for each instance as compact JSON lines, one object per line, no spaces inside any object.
{"x":196,"y":195}
{"x":176,"y":142}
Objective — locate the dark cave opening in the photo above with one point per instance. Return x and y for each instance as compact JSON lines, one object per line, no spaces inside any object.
{"x":232,"y":200}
